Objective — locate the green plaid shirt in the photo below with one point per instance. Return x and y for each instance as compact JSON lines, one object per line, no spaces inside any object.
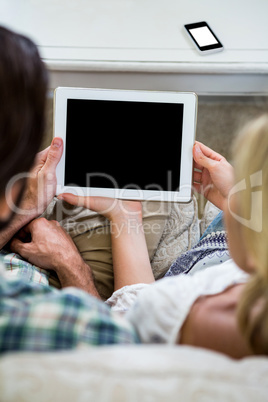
{"x":37,"y":317}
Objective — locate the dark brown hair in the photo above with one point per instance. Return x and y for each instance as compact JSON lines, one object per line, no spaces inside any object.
{"x":23,"y":86}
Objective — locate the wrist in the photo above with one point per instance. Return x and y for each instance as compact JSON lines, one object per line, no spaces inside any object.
{"x":24,"y":214}
{"x":126,"y":218}
{"x":124,"y":211}
{"x":126,"y":224}
{"x":26,"y":217}
{"x":78,"y":274}
{"x":28,"y":213}
{"x":64,"y":265}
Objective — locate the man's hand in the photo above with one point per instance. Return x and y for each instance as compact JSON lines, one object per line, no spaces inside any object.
{"x":213,"y":175}
{"x":41,"y":183}
{"x":39,"y":192}
{"x":46,"y":244}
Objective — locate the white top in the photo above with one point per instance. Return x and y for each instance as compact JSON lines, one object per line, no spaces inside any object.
{"x":158,"y":311}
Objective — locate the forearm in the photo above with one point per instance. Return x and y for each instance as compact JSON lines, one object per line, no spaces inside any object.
{"x":131,"y":261}
{"x":77,"y":275}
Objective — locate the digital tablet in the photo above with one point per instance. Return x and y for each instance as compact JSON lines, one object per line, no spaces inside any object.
{"x":129,"y":144}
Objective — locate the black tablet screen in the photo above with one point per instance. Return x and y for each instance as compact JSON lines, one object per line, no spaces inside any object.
{"x":122,"y":144}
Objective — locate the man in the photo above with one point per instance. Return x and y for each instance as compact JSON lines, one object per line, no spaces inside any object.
{"x":33,"y":316}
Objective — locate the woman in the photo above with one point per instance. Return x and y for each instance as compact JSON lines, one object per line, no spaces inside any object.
{"x":223,"y":308}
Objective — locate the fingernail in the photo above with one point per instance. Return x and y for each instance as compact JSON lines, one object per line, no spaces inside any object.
{"x":60,"y":197}
{"x":56,"y":143}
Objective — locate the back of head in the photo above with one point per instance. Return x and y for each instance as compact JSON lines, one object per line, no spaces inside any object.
{"x":23,"y":86}
{"x":251,"y":166}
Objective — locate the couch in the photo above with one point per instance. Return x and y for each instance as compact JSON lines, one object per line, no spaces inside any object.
{"x":133,"y":374}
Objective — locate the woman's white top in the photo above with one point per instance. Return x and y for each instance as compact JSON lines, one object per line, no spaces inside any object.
{"x":159,"y":310}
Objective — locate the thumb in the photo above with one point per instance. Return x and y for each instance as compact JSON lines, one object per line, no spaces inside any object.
{"x":54,"y":154}
{"x":202,"y":160}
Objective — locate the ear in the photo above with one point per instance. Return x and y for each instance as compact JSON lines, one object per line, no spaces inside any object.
{"x":12,"y":195}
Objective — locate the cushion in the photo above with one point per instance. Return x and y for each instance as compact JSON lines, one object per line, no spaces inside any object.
{"x":133,"y":373}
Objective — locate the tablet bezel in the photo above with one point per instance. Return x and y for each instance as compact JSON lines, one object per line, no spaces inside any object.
{"x":188,"y":99}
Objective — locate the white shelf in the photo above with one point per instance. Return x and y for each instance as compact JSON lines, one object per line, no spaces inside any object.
{"x":141,"y":44}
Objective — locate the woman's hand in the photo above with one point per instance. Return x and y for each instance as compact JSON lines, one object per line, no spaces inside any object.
{"x":112,"y":209}
{"x":213,"y":175}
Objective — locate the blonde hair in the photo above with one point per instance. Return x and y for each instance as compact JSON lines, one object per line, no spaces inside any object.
{"x":250,"y":156}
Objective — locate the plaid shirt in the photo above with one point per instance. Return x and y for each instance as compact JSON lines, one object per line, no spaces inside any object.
{"x":37,"y":317}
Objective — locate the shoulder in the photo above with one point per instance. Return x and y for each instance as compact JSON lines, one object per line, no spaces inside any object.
{"x":212,"y":323}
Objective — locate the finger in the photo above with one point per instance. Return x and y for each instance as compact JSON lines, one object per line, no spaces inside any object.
{"x":197,"y":177}
{"x":201,"y":159}
{"x":39,"y":160}
{"x":34,"y":226}
{"x":101,"y":205}
{"x":75,"y":200}
{"x":29,"y":227}
{"x":42,"y":156}
{"x":208,"y":152}
{"x":17,"y":246}
{"x":196,"y":166}
{"x":54,"y":155}
{"x":80,"y":201}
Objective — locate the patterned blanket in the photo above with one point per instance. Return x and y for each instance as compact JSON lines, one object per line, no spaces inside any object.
{"x":212,"y":249}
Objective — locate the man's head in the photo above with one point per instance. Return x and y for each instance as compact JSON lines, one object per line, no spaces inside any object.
{"x":23,"y":86}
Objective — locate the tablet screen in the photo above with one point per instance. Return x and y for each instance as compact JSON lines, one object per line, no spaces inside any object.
{"x":123,"y":144}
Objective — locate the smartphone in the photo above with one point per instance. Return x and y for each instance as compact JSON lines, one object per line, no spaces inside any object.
{"x":204,"y":38}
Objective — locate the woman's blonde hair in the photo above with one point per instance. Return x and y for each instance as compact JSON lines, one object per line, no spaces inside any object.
{"x":250,"y":156}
